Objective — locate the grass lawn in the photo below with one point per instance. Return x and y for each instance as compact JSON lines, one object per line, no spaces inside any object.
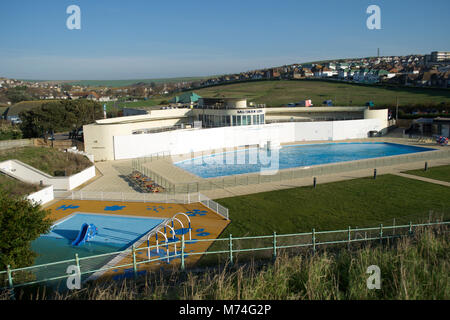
{"x":15,"y":187}
{"x":47,"y":160}
{"x":355,"y":203}
{"x":277,"y":93}
{"x":438,"y":173}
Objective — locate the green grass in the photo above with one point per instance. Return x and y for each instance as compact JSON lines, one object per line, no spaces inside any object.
{"x":153,"y":102}
{"x":356,"y":203}
{"x":15,"y":187}
{"x":438,"y":173}
{"x":47,"y":160}
{"x":278,"y":93}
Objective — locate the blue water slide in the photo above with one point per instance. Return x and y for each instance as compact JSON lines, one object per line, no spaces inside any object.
{"x":87,"y":233}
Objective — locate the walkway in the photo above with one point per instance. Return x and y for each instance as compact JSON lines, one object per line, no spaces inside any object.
{"x":411,"y":176}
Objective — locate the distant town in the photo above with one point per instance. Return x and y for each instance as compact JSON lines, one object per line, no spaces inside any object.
{"x":432,"y":70}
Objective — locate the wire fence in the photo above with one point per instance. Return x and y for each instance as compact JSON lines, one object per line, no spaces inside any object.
{"x":281,"y":175}
{"x":231,"y":248}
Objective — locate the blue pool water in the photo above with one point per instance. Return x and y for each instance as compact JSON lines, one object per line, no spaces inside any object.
{"x":292,"y":156}
{"x":114,"y":233}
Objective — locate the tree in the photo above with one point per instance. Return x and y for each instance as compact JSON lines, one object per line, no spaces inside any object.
{"x":18,"y":94}
{"x":21,"y":222}
{"x":58,"y":116}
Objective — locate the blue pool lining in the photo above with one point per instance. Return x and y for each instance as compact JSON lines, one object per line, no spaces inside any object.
{"x":124,"y":253}
{"x":297,"y":145}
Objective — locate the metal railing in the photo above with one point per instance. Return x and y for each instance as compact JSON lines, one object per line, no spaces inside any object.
{"x":180,"y":198}
{"x":19,"y":277}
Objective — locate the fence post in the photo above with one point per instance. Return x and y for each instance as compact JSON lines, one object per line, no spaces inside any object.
{"x":410,"y":228}
{"x":10,"y":283}
{"x":134,"y":261}
{"x":313,"y":234}
{"x":77,"y":262}
{"x":381,"y":233}
{"x":349,"y":238}
{"x":231,"y":249}
{"x":182,"y":253}
{"x":274,"y":245}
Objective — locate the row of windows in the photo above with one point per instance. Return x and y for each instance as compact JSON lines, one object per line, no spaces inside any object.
{"x":237,"y":120}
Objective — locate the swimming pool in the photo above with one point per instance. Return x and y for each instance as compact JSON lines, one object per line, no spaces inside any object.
{"x":115,"y":233}
{"x":291,"y":156}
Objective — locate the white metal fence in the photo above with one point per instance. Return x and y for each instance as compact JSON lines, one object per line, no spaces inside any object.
{"x":181,"y":198}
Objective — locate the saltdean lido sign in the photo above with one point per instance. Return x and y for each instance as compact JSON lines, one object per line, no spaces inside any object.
{"x":251,"y":111}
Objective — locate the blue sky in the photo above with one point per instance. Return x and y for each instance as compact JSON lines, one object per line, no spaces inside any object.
{"x":139,"y":39}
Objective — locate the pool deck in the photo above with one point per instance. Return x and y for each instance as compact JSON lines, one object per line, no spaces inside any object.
{"x":205,"y":224}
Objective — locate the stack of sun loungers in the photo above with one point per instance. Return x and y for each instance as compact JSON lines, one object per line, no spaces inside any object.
{"x":144,"y":183}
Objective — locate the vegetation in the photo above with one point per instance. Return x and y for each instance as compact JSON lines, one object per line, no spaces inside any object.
{"x":18,"y":94}
{"x":356,"y":203}
{"x":9,"y":132}
{"x":279,"y":93}
{"x":15,"y":187}
{"x":59,"y":116}
{"x":48,"y":160}
{"x":124,"y":83}
{"x":411,"y":268}
{"x":20,"y":223}
{"x":438,"y":173}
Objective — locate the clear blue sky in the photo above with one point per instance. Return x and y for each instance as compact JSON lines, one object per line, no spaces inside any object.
{"x":139,"y":39}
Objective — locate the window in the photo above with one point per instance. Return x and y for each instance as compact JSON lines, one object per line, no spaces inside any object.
{"x":249,"y":120}
{"x":244,"y":120}
{"x":234,"y":121}
{"x":238,"y":121}
{"x":255,"y":119}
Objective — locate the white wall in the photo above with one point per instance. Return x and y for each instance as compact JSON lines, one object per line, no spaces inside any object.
{"x":186,"y":141}
{"x":26,"y":173}
{"x":43,"y":196}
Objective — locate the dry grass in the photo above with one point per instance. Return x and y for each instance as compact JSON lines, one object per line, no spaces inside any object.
{"x":15,"y":187}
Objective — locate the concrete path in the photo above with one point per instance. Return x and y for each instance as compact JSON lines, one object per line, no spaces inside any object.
{"x":411,"y":176}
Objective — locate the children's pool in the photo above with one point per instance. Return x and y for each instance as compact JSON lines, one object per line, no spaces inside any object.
{"x":115,"y":233}
{"x":291,"y":156}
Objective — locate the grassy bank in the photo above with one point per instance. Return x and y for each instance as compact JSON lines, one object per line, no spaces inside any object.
{"x":438,"y":173}
{"x":359,"y":202}
{"x":282,"y":92}
{"x":48,"y":160}
{"x":15,"y":187}
{"x":411,"y":268}
{"x":278,"y":93}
